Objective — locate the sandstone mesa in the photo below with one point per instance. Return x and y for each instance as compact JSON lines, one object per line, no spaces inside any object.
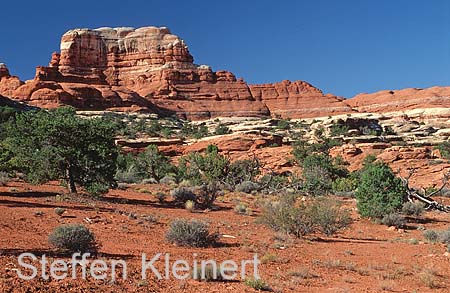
{"x":149,"y":69}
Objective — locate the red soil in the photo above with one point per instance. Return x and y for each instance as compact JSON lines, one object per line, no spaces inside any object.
{"x":366,"y":257}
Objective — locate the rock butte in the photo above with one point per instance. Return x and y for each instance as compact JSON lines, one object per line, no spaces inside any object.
{"x":149,"y":69}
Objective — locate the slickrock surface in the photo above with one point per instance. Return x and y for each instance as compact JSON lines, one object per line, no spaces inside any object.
{"x":406,"y":99}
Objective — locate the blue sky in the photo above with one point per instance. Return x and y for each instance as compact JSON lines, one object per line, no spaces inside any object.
{"x":343,"y":47}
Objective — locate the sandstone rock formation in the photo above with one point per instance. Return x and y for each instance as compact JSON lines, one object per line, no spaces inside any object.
{"x":298,"y":99}
{"x":400,"y":100}
{"x":8,"y":83}
{"x":151,"y":69}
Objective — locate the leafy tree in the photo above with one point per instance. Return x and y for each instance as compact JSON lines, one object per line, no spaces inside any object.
{"x":52,"y":145}
{"x":379,"y":191}
{"x":210,"y":167}
{"x":154,"y":163}
{"x":151,"y":163}
{"x":319,"y":172}
{"x":242,"y":170}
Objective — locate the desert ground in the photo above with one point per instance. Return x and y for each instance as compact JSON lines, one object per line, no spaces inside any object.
{"x":365,"y":257}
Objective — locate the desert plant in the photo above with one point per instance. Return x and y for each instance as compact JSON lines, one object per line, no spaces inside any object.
{"x":317,"y":180}
{"x":192,"y":233}
{"x":241,"y":208}
{"x":444,"y":237}
{"x":97,"y":188}
{"x":207,"y":273}
{"x":283,"y":124}
{"x":161,"y":196}
{"x":379,"y":191}
{"x":194,"y":130}
{"x":153,"y":163}
{"x":413,"y":209}
{"x":221,"y":130}
{"x":431,"y":236}
{"x":201,"y":168}
{"x":300,"y":218}
{"x":4,"y":178}
{"x":182,"y":194}
{"x":58,"y":145}
{"x":257,"y":284}
{"x":345,"y":184}
{"x":242,"y":170}
{"x":288,"y":217}
{"x":59,"y":211}
{"x":168,"y":180}
{"x":273,"y":182}
{"x":207,"y":195}
{"x":444,"y":149}
{"x":338,"y":129}
{"x":190,"y":205}
{"x":394,"y":220}
{"x":73,"y":238}
{"x":247,"y":187}
{"x":329,"y":216}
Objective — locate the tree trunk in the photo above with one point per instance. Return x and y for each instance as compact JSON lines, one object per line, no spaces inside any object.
{"x":70,"y":181}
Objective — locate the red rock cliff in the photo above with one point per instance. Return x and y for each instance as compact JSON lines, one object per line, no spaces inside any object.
{"x":399,"y":100}
{"x":151,"y":69}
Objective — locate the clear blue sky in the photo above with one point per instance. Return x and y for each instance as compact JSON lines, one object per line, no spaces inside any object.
{"x":343,"y":47}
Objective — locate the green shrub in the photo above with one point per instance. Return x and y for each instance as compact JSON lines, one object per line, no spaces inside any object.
{"x":300,"y":218}
{"x":127,"y":176}
{"x":201,"y":168}
{"x":182,"y":194}
{"x":437,"y":236}
{"x":168,"y":180}
{"x":154,"y":164}
{"x":247,"y":187}
{"x":283,"y":124}
{"x":59,"y":211}
{"x":203,"y":196}
{"x":413,"y":208}
{"x":221,"y":130}
{"x":192,"y":233}
{"x":317,"y":180}
{"x":444,"y":149}
{"x":242,"y":170}
{"x":196,"y":131}
{"x":379,"y":191}
{"x":208,"y":274}
{"x":329,"y":216}
{"x":207,"y":195}
{"x":161,"y":196}
{"x":257,"y":284}
{"x":241,"y":208}
{"x":273,"y":182}
{"x":97,"y":188}
{"x":319,"y":171}
{"x":338,"y":129}
{"x":431,"y":236}
{"x":444,"y":237}
{"x":394,"y":220}
{"x":150,"y":164}
{"x":345,"y":184}
{"x":287,"y":217}
{"x":190,"y":205}
{"x":4,"y":178}
{"x":73,"y":238}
